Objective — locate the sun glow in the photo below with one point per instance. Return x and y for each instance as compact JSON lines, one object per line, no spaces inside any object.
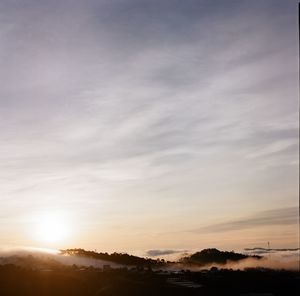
{"x":51,"y":227}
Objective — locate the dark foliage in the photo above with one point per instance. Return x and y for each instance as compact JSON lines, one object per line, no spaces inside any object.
{"x":208,"y":256}
{"x":120,"y":258}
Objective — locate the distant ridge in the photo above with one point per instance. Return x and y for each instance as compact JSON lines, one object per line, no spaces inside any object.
{"x":266,"y":249}
{"x":208,"y":256}
{"x":204,"y":257}
{"x":120,"y":258}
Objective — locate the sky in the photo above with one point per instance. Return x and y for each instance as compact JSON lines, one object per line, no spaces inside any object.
{"x":149,"y":125}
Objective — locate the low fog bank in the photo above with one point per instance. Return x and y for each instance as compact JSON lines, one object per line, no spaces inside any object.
{"x":273,"y":262}
{"x":48,"y":258}
{"x":271,"y":258}
{"x":287,"y":259}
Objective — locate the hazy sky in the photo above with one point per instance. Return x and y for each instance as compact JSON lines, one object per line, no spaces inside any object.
{"x":158,"y":124}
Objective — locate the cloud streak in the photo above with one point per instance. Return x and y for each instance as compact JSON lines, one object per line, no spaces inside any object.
{"x":285,"y":216}
{"x":156,"y":253}
{"x":115,"y":108}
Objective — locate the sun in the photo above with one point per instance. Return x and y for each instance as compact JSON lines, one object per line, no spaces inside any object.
{"x":51,"y":227}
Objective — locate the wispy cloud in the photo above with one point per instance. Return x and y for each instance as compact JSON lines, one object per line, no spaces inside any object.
{"x":285,"y":216}
{"x":134,"y":105}
{"x":156,"y":253}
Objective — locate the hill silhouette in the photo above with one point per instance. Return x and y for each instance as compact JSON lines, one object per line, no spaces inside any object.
{"x":204,"y":257}
{"x":120,"y":258}
{"x":208,"y":256}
